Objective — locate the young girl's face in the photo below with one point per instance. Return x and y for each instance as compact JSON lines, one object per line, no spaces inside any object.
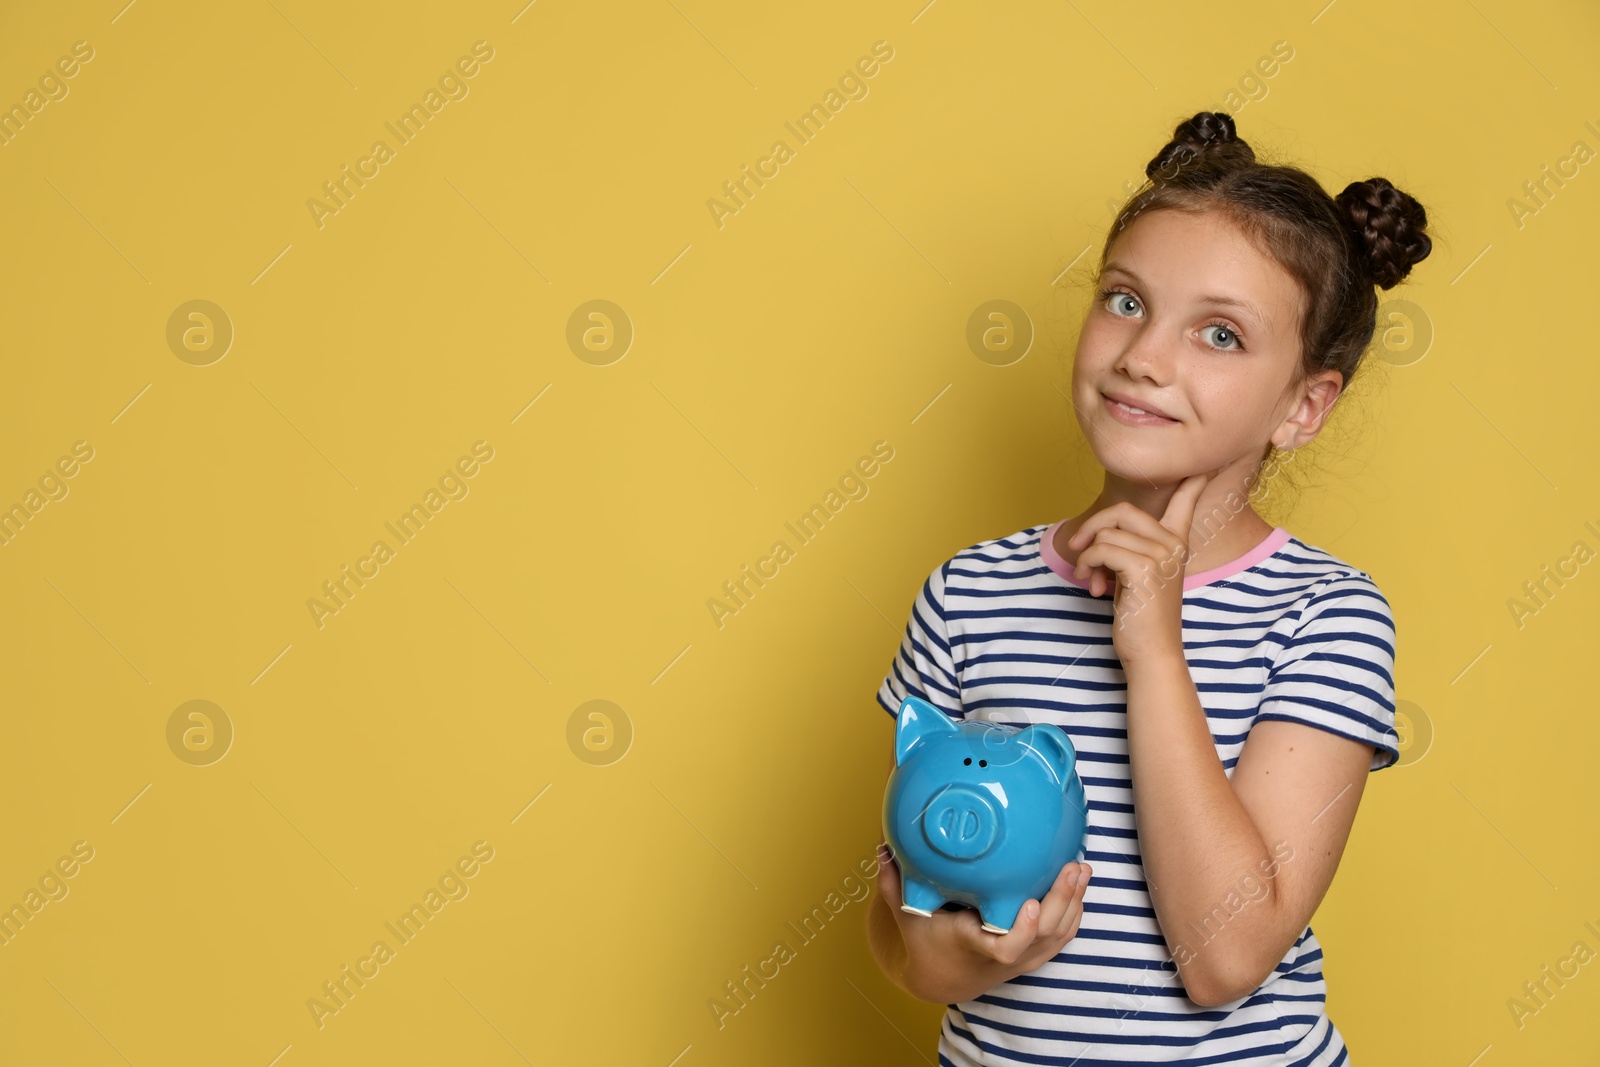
{"x":1211,"y":374}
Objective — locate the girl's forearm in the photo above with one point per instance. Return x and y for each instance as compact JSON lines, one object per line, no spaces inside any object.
{"x":1197,"y":839}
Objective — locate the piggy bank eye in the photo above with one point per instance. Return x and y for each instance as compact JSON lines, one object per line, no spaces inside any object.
{"x":983,"y":763}
{"x":967,"y":762}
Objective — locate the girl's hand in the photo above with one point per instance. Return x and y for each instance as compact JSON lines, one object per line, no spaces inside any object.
{"x":952,"y":958}
{"x":1147,"y":559}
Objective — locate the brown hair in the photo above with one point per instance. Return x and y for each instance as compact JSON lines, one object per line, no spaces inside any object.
{"x":1335,"y":248}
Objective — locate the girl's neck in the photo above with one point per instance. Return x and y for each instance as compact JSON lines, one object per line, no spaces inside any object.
{"x":1225,"y":526}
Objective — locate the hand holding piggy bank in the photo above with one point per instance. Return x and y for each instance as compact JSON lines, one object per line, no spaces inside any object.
{"x":980,"y":812}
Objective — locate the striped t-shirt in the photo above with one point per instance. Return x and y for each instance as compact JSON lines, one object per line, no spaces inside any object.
{"x":1002,"y":631}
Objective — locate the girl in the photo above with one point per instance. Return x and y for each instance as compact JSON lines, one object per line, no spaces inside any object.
{"x":1227,"y":686}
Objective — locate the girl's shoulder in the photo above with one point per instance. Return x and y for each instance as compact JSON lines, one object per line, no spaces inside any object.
{"x":1319,"y":597}
{"x":1303,"y":562}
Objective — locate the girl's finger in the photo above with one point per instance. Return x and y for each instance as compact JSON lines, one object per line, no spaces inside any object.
{"x":1056,"y":908}
{"x":1179,"y":515}
{"x":1070,"y":918}
{"x":1097,"y":580}
{"x":1100,"y":579}
{"x":1164,"y":542}
{"x":1156,"y":551}
{"x":1122,"y":517}
{"x":1126,"y":563}
{"x":1009,"y":946}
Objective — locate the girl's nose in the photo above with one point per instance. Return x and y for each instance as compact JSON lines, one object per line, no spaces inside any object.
{"x":1146,"y":357}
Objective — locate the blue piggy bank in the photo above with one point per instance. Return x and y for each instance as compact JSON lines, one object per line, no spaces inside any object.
{"x":980,"y":812}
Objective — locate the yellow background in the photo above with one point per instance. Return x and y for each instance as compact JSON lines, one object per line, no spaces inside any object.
{"x":769,"y":354}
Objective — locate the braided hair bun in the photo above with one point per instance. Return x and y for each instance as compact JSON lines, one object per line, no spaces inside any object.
{"x":1389,"y":225}
{"x":1209,"y":138}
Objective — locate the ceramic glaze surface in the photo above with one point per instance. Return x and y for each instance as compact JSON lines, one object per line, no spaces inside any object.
{"x":981,"y":813}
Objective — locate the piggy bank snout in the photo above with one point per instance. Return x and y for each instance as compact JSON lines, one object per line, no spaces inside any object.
{"x":961,"y":823}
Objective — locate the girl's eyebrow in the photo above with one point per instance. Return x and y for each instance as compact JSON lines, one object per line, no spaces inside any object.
{"x":1223,"y":301}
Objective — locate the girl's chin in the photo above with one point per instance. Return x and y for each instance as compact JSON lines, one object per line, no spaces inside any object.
{"x":1140,"y":467}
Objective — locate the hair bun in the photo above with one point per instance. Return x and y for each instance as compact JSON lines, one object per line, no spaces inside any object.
{"x":1208,"y":134}
{"x":1389,"y":225}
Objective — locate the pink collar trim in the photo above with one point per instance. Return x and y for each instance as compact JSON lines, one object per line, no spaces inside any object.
{"x":1274,"y":541}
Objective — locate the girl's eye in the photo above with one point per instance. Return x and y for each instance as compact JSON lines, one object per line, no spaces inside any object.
{"x":1124,"y":298}
{"x":1230,"y":340}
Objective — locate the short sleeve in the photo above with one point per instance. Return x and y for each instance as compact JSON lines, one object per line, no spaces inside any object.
{"x":1336,"y":671}
{"x":924,"y":667}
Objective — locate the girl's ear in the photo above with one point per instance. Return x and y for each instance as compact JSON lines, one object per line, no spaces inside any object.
{"x":1305,"y":419}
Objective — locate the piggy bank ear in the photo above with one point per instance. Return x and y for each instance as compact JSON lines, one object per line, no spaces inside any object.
{"x":1053,"y":744}
{"x":915,"y":723}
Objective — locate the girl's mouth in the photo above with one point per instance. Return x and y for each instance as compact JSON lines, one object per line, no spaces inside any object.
{"x":1131,"y":416}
